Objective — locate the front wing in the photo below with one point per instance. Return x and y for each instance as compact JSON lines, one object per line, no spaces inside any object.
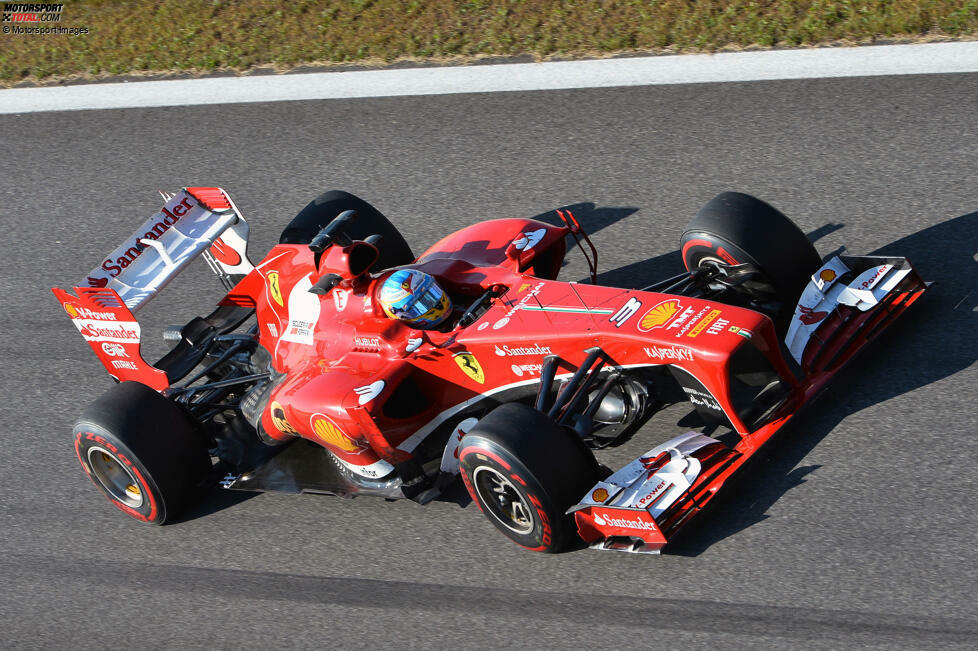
{"x":848,"y":303}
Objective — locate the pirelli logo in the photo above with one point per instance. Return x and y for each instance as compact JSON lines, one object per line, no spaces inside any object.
{"x":31,"y":12}
{"x":705,"y":321}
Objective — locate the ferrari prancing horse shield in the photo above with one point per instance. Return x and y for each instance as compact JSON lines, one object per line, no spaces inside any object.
{"x":470,"y":366}
{"x":274,"y":288}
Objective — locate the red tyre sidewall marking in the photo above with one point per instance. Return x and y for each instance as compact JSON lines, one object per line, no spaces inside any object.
{"x":544,"y":520}
{"x":495,"y":457}
{"x":143,"y":485}
{"x":547,"y":537}
{"x":469,"y":487}
{"x":726,"y":256}
{"x":690,"y":244}
{"x":719,"y":250}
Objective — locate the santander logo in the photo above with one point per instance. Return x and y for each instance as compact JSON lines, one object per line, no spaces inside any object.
{"x":115,"y":267}
{"x":516,"y":351}
{"x":624,"y":523}
{"x":122,"y":332}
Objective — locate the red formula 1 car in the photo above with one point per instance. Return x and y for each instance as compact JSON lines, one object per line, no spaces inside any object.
{"x":299,"y":381}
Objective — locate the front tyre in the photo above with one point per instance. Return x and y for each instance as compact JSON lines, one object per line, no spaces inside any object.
{"x":736,"y":228}
{"x":524,"y":471}
{"x":142,"y":451}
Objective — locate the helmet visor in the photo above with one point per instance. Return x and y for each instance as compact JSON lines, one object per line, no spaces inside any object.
{"x":430,"y":300}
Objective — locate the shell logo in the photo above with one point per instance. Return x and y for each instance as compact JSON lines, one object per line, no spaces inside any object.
{"x":659,"y":315}
{"x":827,"y":275}
{"x":71,"y":310}
{"x":280,"y":421}
{"x":600,"y":495}
{"x":330,"y":434}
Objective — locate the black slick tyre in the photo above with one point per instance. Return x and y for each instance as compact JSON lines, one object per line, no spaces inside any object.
{"x":394,"y":250}
{"x":142,"y":451}
{"x":524,"y":471}
{"x":736,"y":228}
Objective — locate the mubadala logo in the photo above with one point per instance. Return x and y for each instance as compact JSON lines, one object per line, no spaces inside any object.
{"x":517,"y":351}
{"x":624,"y":523}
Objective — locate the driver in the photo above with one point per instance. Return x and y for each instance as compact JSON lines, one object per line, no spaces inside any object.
{"x":415,"y":298}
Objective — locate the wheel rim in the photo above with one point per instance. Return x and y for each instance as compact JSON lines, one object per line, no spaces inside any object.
{"x":116,"y":479}
{"x":711,"y":260}
{"x":762,"y":283}
{"x":503,"y":500}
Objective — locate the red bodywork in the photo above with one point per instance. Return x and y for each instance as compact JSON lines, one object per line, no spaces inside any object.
{"x":352,"y":345}
{"x":371,"y":389}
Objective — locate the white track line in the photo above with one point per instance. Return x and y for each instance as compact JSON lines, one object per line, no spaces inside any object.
{"x":928,"y":58}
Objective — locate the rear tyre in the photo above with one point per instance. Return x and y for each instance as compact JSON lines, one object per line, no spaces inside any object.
{"x":142,"y":451}
{"x":736,"y":228}
{"x":524,"y":471}
{"x":394,"y":250}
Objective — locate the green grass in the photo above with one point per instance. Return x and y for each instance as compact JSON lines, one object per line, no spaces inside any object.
{"x":170,"y":35}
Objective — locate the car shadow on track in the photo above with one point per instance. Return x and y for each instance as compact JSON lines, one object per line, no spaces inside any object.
{"x":213,"y":500}
{"x":934,"y":340}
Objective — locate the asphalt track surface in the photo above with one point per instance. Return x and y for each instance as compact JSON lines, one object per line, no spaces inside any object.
{"x":857,"y":528}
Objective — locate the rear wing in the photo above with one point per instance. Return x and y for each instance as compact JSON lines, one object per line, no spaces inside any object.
{"x":192,"y":222}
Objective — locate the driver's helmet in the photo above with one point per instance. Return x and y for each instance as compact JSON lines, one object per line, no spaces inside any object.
{"x":415,"y":298}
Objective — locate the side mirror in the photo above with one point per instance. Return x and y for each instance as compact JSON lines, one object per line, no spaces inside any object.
{"x":344,"y":264}
{"x":361,"y":256}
